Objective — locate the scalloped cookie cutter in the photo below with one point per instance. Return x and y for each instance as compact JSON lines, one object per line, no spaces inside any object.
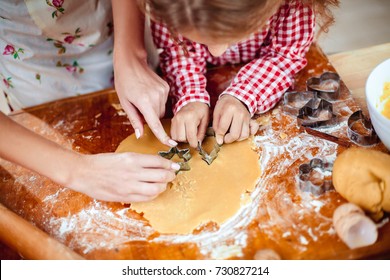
{"x":310,"y":110}
{"x":293,"y":101}
{"x":358,"y":138}
{"x":306,"y":183}
{"x":327,"y":86}
{"x":317,"y":113}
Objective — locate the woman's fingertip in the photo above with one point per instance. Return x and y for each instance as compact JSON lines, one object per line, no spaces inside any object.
{"x":172,"y":143}
{"x":175,"y":166}
{"x":137,"y":133}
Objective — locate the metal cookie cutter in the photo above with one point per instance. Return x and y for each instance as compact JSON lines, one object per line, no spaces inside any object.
{"x":327,"y":86}
{"x":317,"y":113}
{"x":306,"y":179}
{"x":293,"y":101}
{"x":357,"y":135}
{"x":209,"y":158}
{"x":183,"y":154}
{"x":310,"y":110}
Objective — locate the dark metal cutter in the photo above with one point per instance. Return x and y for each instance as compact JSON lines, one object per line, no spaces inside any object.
{"x":305,"y":183}
{"x":209,"y":158}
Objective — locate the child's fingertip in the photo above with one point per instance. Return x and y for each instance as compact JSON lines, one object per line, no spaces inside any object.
{"x":219,"y":139}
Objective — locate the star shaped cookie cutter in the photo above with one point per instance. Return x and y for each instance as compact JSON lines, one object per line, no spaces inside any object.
{"x":306,"y":180}
{"x":209,"y":158}
{"x":356,"y":136}
{"x":181,"y":153}
{"x":327,"y":86}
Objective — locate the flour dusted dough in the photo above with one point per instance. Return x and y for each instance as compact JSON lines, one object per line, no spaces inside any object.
{"x":362,"y":177}
{"x":206,"y":193}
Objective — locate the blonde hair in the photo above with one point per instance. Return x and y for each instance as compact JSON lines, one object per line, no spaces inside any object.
{"x":228,"y":19}
{"x":323,"y":10}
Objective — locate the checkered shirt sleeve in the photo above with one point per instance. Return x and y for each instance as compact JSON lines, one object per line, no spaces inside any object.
{"x":183,"y":64}
{"x":261,"y":83}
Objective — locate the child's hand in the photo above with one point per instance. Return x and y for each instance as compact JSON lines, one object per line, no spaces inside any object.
{"x":190,"y":123}
{"x":232,"y":120}
{"x":124,"y":177}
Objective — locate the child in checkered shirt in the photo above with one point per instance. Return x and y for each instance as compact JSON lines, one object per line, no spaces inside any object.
{"x":271,"y":38}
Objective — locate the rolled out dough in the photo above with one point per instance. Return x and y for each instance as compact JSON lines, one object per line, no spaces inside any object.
{"x":206,"y":193}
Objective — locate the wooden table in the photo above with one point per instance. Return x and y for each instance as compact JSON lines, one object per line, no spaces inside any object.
{"x":92,"y":124}
{"x":355,"y":66}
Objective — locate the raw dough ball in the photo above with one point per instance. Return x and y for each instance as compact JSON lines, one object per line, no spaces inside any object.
{"x":362,"y":177}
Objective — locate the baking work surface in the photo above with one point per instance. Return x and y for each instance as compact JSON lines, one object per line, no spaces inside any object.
{"x":189,"y":201}
{"x":295,"y":224}
{"x":355,"y":66}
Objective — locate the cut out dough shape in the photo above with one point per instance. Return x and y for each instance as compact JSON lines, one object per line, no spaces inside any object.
{"x":205,"y":193}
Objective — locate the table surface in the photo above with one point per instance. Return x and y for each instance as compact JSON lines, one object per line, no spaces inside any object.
{"x":108,"y":128}
{"x":355,"y":66}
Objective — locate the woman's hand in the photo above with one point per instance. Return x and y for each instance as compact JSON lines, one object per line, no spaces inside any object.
{"x":142,"y":94}
{"x":122,"y":177}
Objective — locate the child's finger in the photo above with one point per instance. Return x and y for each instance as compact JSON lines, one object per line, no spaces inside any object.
{"x":178,"y":130}
{"x":235,"y":130}
{"x":204,"y":122}
{"x":222,"y":127}
{"x":254,"y":126}
{"x":244,"y":132}
{"x":134,"y":118}
{"x":191,"y":130}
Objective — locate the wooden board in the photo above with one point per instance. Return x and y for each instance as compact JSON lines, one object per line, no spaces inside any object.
{"x":295,"y":224}
{"x":355,"y":66}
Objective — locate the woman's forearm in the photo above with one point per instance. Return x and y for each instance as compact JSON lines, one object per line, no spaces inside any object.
{"x":128,"y":29}
{"x":30,"y":150}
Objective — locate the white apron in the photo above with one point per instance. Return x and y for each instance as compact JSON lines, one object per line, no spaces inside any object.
{"x":51,"y":49}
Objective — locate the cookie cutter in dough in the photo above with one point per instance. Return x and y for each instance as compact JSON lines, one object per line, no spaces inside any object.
{"x":327,"y":86}
{"x":181,"y":153}
{"x":367,"y":139}
{"x":317,"y":113}
{"x":209,"y":158}
{"x":305,"y":177}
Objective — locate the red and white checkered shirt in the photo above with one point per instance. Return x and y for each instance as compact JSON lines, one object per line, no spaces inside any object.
{"x":273,"y":56}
